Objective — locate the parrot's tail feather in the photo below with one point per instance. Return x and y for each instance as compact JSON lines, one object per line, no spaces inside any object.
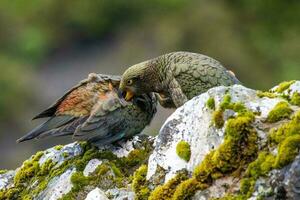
{"x":65,"y":130}
{"x":54,"y":133}
{"x":52,"y":123}
{"x":47,"y":113}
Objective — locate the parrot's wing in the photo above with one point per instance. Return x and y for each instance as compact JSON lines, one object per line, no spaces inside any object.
{"x":105,"y":121}
{"x":67,"y":129}
{"x":78,"y":100}
{"x":73,"y":108}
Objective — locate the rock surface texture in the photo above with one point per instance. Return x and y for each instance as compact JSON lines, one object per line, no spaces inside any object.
{"x":228,"y":143}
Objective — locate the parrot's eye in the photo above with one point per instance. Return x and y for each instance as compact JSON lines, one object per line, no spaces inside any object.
{"x":129,"y":82}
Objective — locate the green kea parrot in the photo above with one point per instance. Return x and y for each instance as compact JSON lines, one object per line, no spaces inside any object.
{"x":92,"y":111}
{"x":175,"y":77}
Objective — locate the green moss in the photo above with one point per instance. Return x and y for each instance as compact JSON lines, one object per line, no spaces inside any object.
{"x":183,"y":150}
{"x":287,"y":151}
{"x":239,"y":108}
{"x":284,"y":86}
{"x":79,"y":181}
{"x":139,"y":183}
{"x":58,"y":147}
{"x":290,"y":128}
{"x":238,"y":149}
{"x":187,"y":189}
{"x":3,"y":171}
{"x":281,"y":111}
{"x":136,"y":157}
{"x":166,"y":191}
{"x":30,"y":172}
{"x":211,"y":103}
{"x":295,"y":100}
{"x":236,"y":152}
{"x":218,"y":119}
{"x":261,"y":166}
{"x":262,"y":94}
{"x":65,"y":154}
{"x":12,"y":193}
{"x":287,"y":136}
{"x":226,"y":102}
{"x":247,"y":187}
{"x":116,"y":172}
{"x":28,"y":169}
{"x":46,"y":167}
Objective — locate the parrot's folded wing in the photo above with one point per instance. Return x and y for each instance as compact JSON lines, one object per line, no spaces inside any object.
{"x":51,"y":110}
{"x":67,"y":129}
{"x":80,"y":95}
{"x":105,"y":121}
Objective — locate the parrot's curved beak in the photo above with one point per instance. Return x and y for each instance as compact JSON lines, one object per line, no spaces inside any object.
{"x":128,"y":95}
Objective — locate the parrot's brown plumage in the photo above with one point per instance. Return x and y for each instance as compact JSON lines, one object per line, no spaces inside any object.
{"x":93,"y":111}
{"x":175,"y":77}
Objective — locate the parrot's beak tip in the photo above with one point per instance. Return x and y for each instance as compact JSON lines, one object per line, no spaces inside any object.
{"x":127,"y":94}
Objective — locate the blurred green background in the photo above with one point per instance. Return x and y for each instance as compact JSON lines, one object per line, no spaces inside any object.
{"x":48,"y":46}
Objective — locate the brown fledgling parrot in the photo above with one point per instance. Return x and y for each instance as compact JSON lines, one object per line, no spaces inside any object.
{"x":92,"y":111}
{"x":175,"y":77}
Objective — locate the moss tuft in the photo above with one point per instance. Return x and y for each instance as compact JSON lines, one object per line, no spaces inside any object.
{"x":139,"y":183}
{"x":239,"y":108}
{"x":261,"y":166}
{"x":262,"y":94}
{"x":247,"y":187}
{"x":295,"y":100}
{"x":183,"y":150}
{"x":287,"y":151}
{"x":136,"y":157}
{"x":58,"y":147}
{"x":79,"y":181}
{"x":284,"y":86}
{"x":226,"y":102}
{"x":28,"y":170}
{"x":211,"y":103}
{"x":218,"y":119}
{"x":115,"y":172}
{"x":290,"y":128}
{"x":238,"y":149}
{"x":281,"y":111}
{"x":166,"y":191}
{"x":187,"y":189}
{"x":3,"y":171}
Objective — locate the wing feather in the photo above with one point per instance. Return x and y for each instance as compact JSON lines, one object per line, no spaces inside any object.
{"x":75,"y":106}
{"x":52,"y":123}
{"x":105,"y":119}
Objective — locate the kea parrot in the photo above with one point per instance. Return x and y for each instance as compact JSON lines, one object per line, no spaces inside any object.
{"x":175,"y":77}
{"x":93,"y":111}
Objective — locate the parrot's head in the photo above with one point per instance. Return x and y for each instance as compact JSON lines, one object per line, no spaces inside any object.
{"x":138,"y":79}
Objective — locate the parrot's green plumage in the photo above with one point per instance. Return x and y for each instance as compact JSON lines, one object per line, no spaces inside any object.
{"x":176,"y":77}
{"x":92,"y":111}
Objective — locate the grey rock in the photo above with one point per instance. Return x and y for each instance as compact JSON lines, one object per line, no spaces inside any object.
{"x":6,"y":179}
{"x":91,"y":166}
{"x":58,"y":186}
{"x":96,"y":194}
